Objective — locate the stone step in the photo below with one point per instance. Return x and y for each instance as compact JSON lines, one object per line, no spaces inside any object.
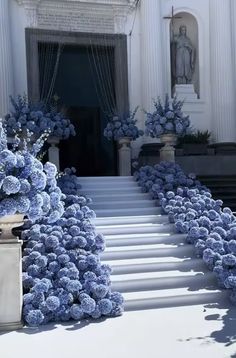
{"x":120,"y":197}
{"x":110,"y":191}
{"x":141,"y":239}
{"x":107,"y":178}
{"x":147,"y":260}
{"x":226,"y":190}
{"x":191,"y":265}
{"x":151,"y":219}
{"x":128,"y":212}
{"x":123,"y":204}
{"x":192,"y":281}
{"x":172,"y":298}
{"x":142,"y":246}
{"x":183,"y":251}
{"x":155,"y":274}
{"x":135,"y":229}
{"x":108,"y":185}
{"x":158,"y":236}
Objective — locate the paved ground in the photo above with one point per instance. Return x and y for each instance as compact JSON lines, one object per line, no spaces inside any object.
{"x":193,"y":331}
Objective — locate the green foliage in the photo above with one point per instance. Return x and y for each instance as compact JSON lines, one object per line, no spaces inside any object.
{"x":199,"y":137}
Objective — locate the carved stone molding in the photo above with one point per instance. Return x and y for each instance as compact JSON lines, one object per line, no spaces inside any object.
{"x":78,"y":15}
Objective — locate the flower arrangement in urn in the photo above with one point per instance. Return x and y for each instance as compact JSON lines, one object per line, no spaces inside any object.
{"x":27,"y":186}
{"x":118,"y":127}
{"x":37,"y":118}
{"x":167,"y":118}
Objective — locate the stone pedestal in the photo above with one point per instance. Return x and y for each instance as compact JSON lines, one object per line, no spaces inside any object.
{"x":124,"y":157}
{"x":167,"y":153}
{"x":53,"y":152}
{"x":11,"y":293}
{"x":185,"y":92}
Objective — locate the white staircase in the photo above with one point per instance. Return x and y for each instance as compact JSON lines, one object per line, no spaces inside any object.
{"x":152,"y":265}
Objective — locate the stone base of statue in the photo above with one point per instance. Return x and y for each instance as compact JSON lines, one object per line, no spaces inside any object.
{"x":11,"y":294}
{"x":124,"y":156}
{"x":185,"y":92}
{"x":53,"y":152}
{"x":167,"y":153}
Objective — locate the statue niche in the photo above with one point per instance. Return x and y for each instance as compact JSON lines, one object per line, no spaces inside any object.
{"x":182,"y":57}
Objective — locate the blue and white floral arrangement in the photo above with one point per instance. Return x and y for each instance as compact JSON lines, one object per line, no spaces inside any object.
{"x":167,"y":118}
{"x":207,"y":225}
{"x":118,"y":127}
{"x":37,"y":119}
{"x":63,"y":277}
{"x":26,"y":185}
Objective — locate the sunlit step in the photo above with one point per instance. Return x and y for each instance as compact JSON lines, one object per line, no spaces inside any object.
{"x":123,"y":204}
{"x":136,"y":229}
{"x":128,"y":212}
{"x":107,"y":178}
{"x":129,"y":240}
{"x":143,"y":247}
{"x":193,"y":281}
{"x":155,"y":266}
{"x":150,"y":219}
{"x":97,"y":198}
{"x":156,"y":235}
{"x":179,"y":252}
{"x":172,"y":298}
{"x":108,"y":184}
{"x":146,"y":261}
{"x":155,"y":274}
{"x":109,"y":191}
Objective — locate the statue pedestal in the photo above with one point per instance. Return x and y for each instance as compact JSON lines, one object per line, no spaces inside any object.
{"x":185,"y":92}
{"x":11,"y":295}
{"x":124,"y":156}
{"x":53,"y":152}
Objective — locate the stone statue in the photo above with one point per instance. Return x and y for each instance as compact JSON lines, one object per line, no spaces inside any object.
{"x":182,"y":57}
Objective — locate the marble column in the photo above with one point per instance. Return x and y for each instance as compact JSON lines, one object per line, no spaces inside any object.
{"x":222,"y":80}
{"x":6,"y":70}
{"x":233,"y":32}
{"x":151,"y":52}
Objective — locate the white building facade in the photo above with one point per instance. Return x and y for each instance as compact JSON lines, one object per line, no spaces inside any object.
{"x":211,"y":24}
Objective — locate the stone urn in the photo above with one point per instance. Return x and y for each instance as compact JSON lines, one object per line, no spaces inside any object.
{"x":124,"y":150}
{"x":53,"y":140}
{"x":53,"y":151}
{"x":11,"y":294}
{"x":167,"y":153}
{"x":9,"y":222}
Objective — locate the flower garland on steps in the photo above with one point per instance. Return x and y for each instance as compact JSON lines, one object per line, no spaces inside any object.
{"x":63,"y":277}
{"x":190,"y":206}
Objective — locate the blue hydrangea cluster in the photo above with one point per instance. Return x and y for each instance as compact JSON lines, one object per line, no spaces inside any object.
{"x":163,"y":177}
{"x":211,"y":228}
{"x":118,"y":127}
{"x":207,"y":225}
{"x":37,"y":119}
{"x":63,"y":277}
{"x":167,"y":118}
{"x":26,"y":185}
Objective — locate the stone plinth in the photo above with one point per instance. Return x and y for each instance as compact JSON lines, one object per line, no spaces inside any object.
{"x":53,"y":152}
{"x":124,"y":157}
{"x":11,"y":285}
{"x":185,"y":92}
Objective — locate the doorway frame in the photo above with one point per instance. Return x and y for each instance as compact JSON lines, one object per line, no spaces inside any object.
{"x":117,"y":41}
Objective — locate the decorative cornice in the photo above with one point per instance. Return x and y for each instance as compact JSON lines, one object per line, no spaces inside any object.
{"x":114,"y":12}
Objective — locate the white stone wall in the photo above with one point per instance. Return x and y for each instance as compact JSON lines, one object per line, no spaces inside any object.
{"x":148,"y":49}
